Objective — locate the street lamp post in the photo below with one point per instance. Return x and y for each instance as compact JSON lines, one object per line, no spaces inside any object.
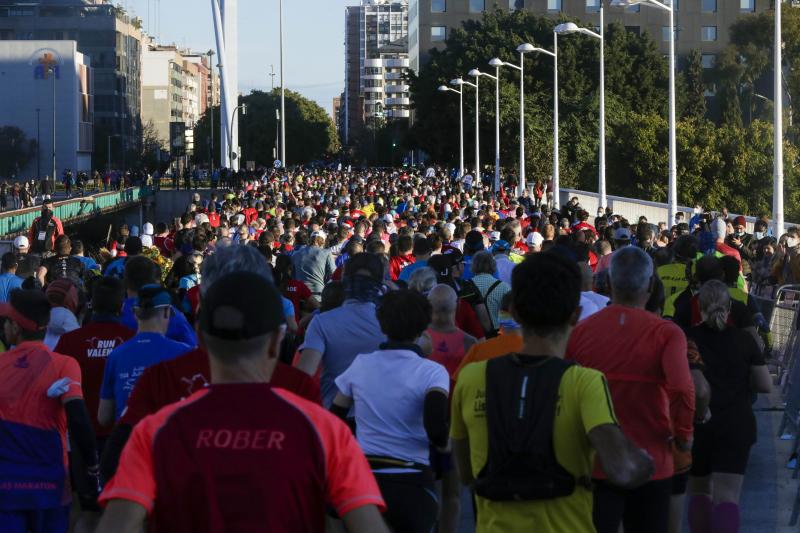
{"x":668,"y":6}
{"x":477,"y":73}
{"x":445,"y":88}
{"x":570,"y":28}
{"x":777,"y":163}
{"x":233,"y":155}
{"x":461,"y":82}
{"x":522,"y":49}
{"x":211,"y":124}
{"x":38,"y":147}
{"x":283,"y":91}
{"x":52,"y":73}
{"x":554,"y":55}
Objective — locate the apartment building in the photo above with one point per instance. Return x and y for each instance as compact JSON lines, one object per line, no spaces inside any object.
{"x":111,"y":42}
{"x":699,"y":24}
{"x":376,"y":61}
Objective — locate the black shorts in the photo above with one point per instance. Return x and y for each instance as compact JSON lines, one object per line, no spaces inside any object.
{"x":679,"y":484}
{"x":723,"y":445}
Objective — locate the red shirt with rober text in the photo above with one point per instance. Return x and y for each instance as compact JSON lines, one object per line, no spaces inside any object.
{"x":243,"y":457}
{"x":90,"y":346}
{"x":174,"y":380}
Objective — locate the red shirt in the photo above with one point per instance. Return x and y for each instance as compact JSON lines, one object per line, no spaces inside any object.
{"x":165,"y":245}
{"x":467,"y":319}
{"x":584,"y":226}
{"x":243,"y":457}
{"x":297,"y":292}
{"x":213,"y":219}
{"x":398,"y":262}
{"x":644,"y":359}
{"x":90,"y":346}
{"x":174,"y":380}
{"x":731,"y":251}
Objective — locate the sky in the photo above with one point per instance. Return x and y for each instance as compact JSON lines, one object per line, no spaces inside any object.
{"x":313,"y":44}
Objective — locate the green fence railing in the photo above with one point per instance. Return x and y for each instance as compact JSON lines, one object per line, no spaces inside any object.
{"x":73,"y":210}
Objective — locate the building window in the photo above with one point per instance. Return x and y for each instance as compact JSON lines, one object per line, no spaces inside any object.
{"x":438,"y":6}
{"x":438,"y":33}
{"x":592,"y":6}
{"x":708,"y":33}
{"x":477,"y":6}
{"x":708,"y":60}
{"x":554,"y":5}
{"x":513,"y":5}
{"x":633,"y":9}
{"x":747,"y":5}
{"x":709,"y":6}
{"x":665,"y":34}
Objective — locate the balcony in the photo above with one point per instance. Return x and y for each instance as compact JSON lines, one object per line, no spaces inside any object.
{"x":398,"y":113}
{"x":398,"y":101}
{"x":393,"y":76}
{"x":373,"y":89}
{"x":373,"y":76}
{"x":393,"y":89}
{"x":396,"y":63}
{"x":373,"y":63}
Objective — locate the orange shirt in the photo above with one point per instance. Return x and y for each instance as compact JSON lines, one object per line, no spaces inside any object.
{"x":644,"y":360}
{"x":503,"y":344}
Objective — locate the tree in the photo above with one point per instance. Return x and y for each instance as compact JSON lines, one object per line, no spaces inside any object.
{"x":16,"y":150}
{"x":728,"y":72}
{"x":694,"y":102}
{"x":310,"y":132}
{"x":636,"y":79}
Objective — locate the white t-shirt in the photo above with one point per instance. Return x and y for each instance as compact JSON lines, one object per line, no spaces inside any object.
{"x":591,"y":303}
{"x":388,"y":388}
{"x":467,"y":180}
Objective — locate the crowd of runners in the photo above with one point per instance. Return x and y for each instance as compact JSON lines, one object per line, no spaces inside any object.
{"x":312,"y":351}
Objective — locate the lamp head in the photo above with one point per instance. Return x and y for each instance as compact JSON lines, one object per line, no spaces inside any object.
{"x":567,"y":28}
{"x":525,"y":47}
{"x":496,"y":62}
{"x":474,"y":73}
{"x":457,"y":82}
{"x":443,"y":88}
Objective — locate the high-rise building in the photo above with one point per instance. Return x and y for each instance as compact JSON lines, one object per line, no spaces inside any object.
{"x":46,"y":85}
{"x":109,"y":38}
{"x":376,"y":62}
{"x":699,"y":24}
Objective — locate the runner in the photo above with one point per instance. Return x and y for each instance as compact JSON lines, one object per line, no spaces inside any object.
{"x":734,"y":366}
{"x":545,"y":303}
{"x":643,"y":357}
{"x":40,"y":398}
{"x":169,"y":471}
{"x":149,"y":346}
{"x":400,"y":405}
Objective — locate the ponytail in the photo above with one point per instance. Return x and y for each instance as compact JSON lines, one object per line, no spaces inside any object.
{"x":715,"y":304}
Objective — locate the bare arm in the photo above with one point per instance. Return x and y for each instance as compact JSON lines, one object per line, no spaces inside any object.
{"x":424,"y":343}
{"x":760,"y":379}
{"x":105,"y":413}
{"x":309,"y":361}
{"x":365,"y":519}
{"x":625,"y":465}
{"x":461,"y":452}
{"x":291,"y":323}
{"x":122,"y":516}
{"x":41,"y":274}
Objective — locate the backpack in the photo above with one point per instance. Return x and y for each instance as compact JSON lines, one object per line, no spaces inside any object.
{"x":520,"y":411}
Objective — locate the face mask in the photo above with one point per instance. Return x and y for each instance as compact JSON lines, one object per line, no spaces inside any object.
{"x":739,"y":233}
{"x":758,"y":235}
{"x":791,"y":242}
{"x":697,"y":210}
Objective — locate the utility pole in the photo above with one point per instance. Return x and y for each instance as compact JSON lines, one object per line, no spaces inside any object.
{"x":53,"y":74}
{"x":211,"y":124}
{"x":38,"y":147}
{"x":272,"y":77}
{"x":283,"y":91}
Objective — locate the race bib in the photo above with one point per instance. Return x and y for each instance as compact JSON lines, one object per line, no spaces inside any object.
{"x":42,"y":236}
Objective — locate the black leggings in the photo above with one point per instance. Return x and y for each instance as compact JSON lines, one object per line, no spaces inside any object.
{"x":642,"y":510}
{"x":411,"y":503}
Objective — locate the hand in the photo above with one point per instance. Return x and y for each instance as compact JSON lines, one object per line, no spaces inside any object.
{"x":684,"y":446}
{"x":736,"y":242}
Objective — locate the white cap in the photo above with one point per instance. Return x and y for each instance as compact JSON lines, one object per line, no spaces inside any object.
{"x":147,"y":229}
{"x":535,"y":239}
{"x":450,"y":227}
{"x":200,"y":218}
{"x":494,"y":236}
{"x":319,"y":233}
{"x":21,"y":242}
{"x":238,"y":219}
{"x":147,"y":240}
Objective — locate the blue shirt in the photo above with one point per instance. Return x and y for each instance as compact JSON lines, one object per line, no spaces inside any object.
{"x":339,"y":335}
{"x":179,"y":329}
{"x":127,"y":362}
{"x":116,"y":269}
{"x":405,"y":274}
{"x":8,"y":282}
{"x":88,"y":262}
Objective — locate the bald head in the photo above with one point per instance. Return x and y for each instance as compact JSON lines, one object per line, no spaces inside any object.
{"x":443,"y":299}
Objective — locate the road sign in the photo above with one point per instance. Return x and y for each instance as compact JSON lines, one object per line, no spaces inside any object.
{"x":278,"y":163}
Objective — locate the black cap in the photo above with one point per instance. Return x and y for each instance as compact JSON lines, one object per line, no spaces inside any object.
{"x":474,"y":241}
{"x":241,"y":306}
{"x":133,"y":246}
